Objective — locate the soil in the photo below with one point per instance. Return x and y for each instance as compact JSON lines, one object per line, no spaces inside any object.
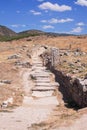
{"x":18,"y":114}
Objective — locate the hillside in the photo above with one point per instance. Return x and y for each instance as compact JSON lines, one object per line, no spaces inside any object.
{"x":7,"y":34}
{"x":32,"y":32}
{"x":4,"y":31}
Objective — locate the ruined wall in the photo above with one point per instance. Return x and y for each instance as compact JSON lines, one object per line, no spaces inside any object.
{"x":72,"y":89}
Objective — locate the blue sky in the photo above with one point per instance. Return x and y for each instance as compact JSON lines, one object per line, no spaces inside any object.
{"x":62,"y":16}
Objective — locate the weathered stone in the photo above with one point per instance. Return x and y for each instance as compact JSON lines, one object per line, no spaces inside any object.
{"x":42,"y":94}
{"x":43,"y":88}
{"x":15,"y":56}
{"x":23,"y":64}
{"x":7,"y":102}
{"x":6,"y":81}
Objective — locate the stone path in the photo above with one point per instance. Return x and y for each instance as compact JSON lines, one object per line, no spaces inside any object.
{"x":44,"y":87}
{"x":38,"y":104}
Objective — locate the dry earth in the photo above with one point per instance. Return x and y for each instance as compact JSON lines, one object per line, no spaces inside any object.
{"x":62,"y":117}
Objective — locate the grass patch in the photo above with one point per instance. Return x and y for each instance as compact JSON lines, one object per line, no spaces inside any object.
{"x":17,"y":37}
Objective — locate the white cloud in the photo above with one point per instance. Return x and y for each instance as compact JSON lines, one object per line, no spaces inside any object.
{"x":18,"y":25}
{"x":80,"y":24}
{"x":55,"y":21}
{"x":54,"y":7}
{"x":77,"y":30}
{"x":35,"y":12}
{"x":81,"y":2}
{"x":44,"y":21}
{"x":48,"y":27}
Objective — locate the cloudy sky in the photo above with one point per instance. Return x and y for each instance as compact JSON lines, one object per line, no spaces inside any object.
{"x":63,"y":16}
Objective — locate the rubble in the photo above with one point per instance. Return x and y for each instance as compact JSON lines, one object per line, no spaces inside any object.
{"x":15,"y":56}
{"x":5,"y":81}
{"x":23,"y":64}
{"x":7,"y":102}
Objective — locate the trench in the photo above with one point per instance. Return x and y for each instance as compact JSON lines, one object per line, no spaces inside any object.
{"x":65,"y":84}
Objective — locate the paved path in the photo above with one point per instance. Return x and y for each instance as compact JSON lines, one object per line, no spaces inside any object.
{"x":39,"y":101}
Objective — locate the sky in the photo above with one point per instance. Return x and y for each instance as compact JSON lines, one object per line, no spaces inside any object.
{"x":60,"y":16}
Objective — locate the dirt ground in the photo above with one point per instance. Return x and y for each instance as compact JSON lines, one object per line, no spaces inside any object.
{"x":11,"y":71}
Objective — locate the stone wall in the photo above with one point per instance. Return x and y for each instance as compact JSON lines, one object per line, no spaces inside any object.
{"x":73,"y":89}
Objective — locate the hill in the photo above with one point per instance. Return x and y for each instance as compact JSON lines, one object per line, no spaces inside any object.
{"x":32,"y":32}
{"x":4,"y":31}
{"x":7,"y":34}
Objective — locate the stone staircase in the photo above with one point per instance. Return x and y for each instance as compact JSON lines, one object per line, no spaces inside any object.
{"x":44,"y":88}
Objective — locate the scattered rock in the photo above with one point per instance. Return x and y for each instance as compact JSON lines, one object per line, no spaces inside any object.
{"x":5,"y":81}
{"x":7,"y":102}
{"x":15,"y":56}
{"x":23,"y":64}
{"x":66,"y":53}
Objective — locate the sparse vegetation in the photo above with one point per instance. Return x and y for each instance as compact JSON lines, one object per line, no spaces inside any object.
{"x":17,"y":37}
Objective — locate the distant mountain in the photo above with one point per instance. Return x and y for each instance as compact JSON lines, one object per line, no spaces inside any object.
{"x":39,"y":32}
{"x":58,"y":34}
{"x":32,"y":32}
{"x":7,"y":34}
{"x":4,"y":31}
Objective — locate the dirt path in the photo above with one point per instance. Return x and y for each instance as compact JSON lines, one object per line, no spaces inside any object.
{"x":39,"y":99}
{"x":79,"y":124}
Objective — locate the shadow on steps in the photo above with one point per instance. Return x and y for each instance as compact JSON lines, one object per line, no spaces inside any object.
{"x":65,"y":89}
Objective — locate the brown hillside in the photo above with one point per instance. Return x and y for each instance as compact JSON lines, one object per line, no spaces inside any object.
{"x":4,"y":31}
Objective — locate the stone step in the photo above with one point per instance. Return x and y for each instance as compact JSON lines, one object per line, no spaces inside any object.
{"x":47,"y":84}
{"x":41,"y":74}
{"x":44,"y":89}
{"x":42,"y":81}
{"x":43,"y":84}
{"x":42,"y":93}
{"x":55,"y":84}
{"x":46,"y":76}
{"x":40,"y":71}
{"x":43,"y":78}
{"x":39,"y":68}
{"x":46,"y":101}
{"x":36,"y":60}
